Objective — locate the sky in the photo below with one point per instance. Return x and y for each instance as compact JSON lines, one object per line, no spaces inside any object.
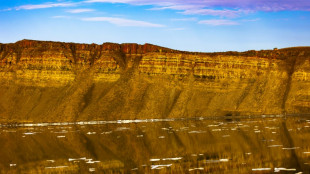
{"x":189,"y":25}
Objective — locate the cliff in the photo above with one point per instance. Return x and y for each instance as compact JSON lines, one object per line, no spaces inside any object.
{"x":44,"y":81}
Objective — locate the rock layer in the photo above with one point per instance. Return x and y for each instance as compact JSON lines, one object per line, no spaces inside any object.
{"x":44,"y":81}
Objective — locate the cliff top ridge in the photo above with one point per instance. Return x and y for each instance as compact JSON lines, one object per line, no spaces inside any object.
{"x":133,"y":48}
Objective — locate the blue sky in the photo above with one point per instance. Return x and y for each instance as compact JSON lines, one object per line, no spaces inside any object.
{"x":195,"y":25}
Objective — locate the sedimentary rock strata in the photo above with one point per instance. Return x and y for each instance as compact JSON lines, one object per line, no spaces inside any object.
{"x":55,"y":81}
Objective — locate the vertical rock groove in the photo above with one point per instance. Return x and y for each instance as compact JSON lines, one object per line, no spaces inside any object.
{"x":290,"y":70}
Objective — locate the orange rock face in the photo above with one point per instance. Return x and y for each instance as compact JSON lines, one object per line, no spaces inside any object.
{"x":55,"y":81}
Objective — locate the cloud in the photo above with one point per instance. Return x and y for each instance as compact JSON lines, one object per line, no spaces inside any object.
{"x":176,"y":7}
{"x":8,"y":9}
{"x":218,"y":22}
{"x":250,"y":20}
{"x":123,"y":22}
{"x":222,"y":8}
{"x":211,"y":12}
{"x":46,"y":5}
{"x":199,"y":9}
{"x":81,"y":10}
{"x":109,"y":1}
{"x":255,"y":5}
{"x":184,"y":19}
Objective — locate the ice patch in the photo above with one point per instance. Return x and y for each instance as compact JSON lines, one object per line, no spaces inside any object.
{"x":276,"y":145}
{"x":213,"y":125}
{"x":91,"y":169}
{"x":272,"y":127}
{"x":91,"y":133}
{"x":161,"y":166}
{"x":109,"y":132}
{"x":72,"y":159}
{"x":79,"y":159}
{"x":155,"y":159}
{"x":217,"y":161}
{"x":90,"y":122}
{"x":61,"y":132}
{"x":283,"y":169}
{"x":216,"y":130}
{"x":161,"y":137}
{"x":61,"y":136}
{"x":290,"y":148}
{"x":200,"y":168}
{"x":196,"y":132}
{"x":261,"y":169}
{"x":172,"y":159}
{"x":224,"y":160}
{"x":268,"y":140}
{"x":57,"y":167}
{"x":12,"y":165}
{"x":90,"y":161}
{"x":122,"y":128}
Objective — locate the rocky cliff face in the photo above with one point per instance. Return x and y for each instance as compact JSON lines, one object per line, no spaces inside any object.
{"x":54,"y":81}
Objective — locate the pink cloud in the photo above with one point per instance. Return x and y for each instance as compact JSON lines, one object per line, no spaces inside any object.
{"x":222,"y":13}
{"x":257,"y":5}
{"x":80,"y":10}
{"x":218,"y":22}
{"x":222,"y":8}
{"x":46,"y":5}
{"x":123,"y":22}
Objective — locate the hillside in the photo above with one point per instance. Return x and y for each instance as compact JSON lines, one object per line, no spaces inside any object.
{"x":43,"y":81}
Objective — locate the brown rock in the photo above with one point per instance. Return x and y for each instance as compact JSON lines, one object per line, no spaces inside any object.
{"x":55,"y":81}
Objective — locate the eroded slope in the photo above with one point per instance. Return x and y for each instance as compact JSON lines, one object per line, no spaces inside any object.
{"x":54,"y":81}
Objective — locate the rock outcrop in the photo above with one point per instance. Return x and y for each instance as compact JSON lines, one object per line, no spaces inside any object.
{"x":44,"y":81}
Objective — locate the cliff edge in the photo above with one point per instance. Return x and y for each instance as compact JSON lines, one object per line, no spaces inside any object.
{"x":42,"y":81}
